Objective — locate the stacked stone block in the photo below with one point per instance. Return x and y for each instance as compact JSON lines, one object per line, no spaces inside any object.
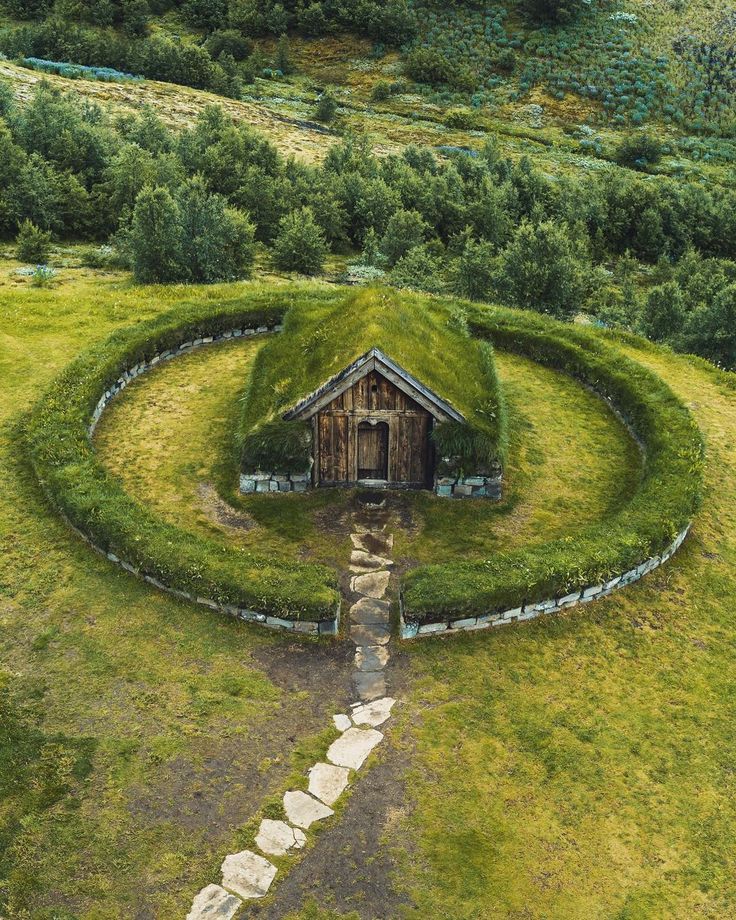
{"x":274,"y":482}
{"x":410,"y":629}
{"x":468,"y":487}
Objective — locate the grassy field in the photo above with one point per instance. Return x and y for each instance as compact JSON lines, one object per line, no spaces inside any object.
{"x":573,"y":768}
{"x":581,"y":766}
{"x":139,"y":734}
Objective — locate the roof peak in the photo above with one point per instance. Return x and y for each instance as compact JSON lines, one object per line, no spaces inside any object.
{"x":374,"y":359}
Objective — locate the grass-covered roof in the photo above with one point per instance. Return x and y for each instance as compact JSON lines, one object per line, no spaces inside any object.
{"x":425,"y":337}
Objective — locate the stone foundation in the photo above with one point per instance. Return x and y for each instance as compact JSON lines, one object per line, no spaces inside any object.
{"x":274,"y":482}
{"x":469,"y":487}
{"x":410,"y":630}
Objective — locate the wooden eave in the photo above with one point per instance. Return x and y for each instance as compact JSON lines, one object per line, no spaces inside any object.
{"x":374,"y":360}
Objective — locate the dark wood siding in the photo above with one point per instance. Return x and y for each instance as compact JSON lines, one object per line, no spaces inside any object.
{"x":373,"y":430}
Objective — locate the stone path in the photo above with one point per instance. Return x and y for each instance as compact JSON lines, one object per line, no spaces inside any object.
{"x":248,"y":875}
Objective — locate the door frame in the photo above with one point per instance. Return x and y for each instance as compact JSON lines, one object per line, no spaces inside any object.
{"x":354,"y":431}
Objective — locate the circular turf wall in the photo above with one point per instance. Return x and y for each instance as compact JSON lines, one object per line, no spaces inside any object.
{"x":643,"y":532}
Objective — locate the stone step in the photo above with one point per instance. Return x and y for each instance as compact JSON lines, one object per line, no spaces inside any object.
{"x":373,"y":542}
{"x":371,"y":657}
{"x":303,"y":810}
{"x":247,"y":874}
{"x":373,"y":584}
{"x":214,"y":903}
{"x":372,"y":634}
{"x":374,"y":713}
{"x":370,"y":610}
{"x":360,"y":560}
{"x":369,"y":685}
{"x":277,"y":838}
{"x":352,"y":748}
{"x":327,"y":782}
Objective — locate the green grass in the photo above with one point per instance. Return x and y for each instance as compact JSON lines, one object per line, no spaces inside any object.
{"x":138,"y":733}
{"x":167,"y":439}
{"x":56,"y":440}
{"x":574,"y":768}
{"x":579,"y":767}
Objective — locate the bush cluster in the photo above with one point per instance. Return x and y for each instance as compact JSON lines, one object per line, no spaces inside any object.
{"x":667,"y":497}
{"x":474,"y":223}
{"x":96,"y":504}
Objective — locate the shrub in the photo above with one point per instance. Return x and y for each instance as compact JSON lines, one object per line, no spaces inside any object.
{"x":283,"y":56}
{"x":300,"y":245}
{"x":381,"y":91}
{"x":664,"y":312}
{"x":326,"y":108}
{"x":155,"y":239}
{"x":711,"y":329}
{"x":419,"y":271}
{"x":32,"y":244}
{"x":473,"y":270}
{"x":405,"y":230}
{"x":539,"y":271}
{"x":192,"y":236}
{"x":639,"y":150}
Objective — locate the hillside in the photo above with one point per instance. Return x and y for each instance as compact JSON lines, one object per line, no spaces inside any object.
{"x":207,"y":208}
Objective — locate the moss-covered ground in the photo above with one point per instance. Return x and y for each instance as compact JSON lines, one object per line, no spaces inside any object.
{"x":579,"y":767}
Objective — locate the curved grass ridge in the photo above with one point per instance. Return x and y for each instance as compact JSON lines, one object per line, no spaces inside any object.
{"x":95,"y":504}
{"x":646,"y":525}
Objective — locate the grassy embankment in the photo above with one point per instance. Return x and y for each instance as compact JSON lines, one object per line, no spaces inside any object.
{"x":576,"y":767}
{"x":580,"y":767}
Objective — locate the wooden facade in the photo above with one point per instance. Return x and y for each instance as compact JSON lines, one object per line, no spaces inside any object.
{"x":372,"y":423}
{"x":373,"y":431}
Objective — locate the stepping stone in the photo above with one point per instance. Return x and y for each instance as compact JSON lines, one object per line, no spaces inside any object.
{"x":352,"y":748}
{"x":342,"y":722}
{"x":247,"y":874}
{"x":373,"y":634}
{"x":374,"y":713}
{"x":362,"y":529}
{"x":214,"y":903}
{"x":301,"y":809}
{"x":373,"y":542}
{"x":369,"y":685}
{"x":368,"y":562}
{"x":370,"y":610}
{"x":327,"y":782}
{"x":371,"y":658}
{"x":276,"y":838}
{"x":373,"y":584}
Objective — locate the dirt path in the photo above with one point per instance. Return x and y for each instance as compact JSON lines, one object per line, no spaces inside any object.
{"x":247,"y":875}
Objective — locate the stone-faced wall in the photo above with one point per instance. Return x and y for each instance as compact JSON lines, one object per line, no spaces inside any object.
{"x":274,"y":482}
{"x":410,"y":630}
{"x":469,"y":486}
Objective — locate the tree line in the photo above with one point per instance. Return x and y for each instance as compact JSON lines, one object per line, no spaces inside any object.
{"x":194,"y":205}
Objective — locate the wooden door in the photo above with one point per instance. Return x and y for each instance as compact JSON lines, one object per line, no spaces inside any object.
{"x":373,"y":450}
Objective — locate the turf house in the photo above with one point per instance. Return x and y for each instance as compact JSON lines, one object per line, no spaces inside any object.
{"x":364,"y":396}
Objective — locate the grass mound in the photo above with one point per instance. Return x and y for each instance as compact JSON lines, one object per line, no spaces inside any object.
{"x":428,"y":339}
{"x":96,"y":504}
{"x":661,"y":507}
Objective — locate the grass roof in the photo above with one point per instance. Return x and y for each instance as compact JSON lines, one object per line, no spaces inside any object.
{"x":427,"y":338}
